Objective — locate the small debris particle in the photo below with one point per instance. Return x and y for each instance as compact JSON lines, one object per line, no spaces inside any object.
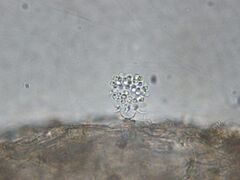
{"x":153,"y":79}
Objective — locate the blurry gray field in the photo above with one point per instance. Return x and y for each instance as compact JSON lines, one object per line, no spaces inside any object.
{"x":126,"y":150}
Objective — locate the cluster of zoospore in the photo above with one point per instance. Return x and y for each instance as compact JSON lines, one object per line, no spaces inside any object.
{"x":128,"y":91}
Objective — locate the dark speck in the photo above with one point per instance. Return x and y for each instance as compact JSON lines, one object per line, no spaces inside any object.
{"x":123,"y":141}
{"x":238,"y":100}
{"x":25,"y":6}
{"x":210,"y":3}
{"x":234,"y":92}
{"x":153,"y":79}
{"x":26,"y":85}
{"x":164,"y":100}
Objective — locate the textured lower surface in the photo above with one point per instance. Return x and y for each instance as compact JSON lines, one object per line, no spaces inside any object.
{"x":125,"y":150}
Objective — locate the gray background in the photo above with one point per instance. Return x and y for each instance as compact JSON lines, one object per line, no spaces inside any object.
{"x":57,"y":57}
